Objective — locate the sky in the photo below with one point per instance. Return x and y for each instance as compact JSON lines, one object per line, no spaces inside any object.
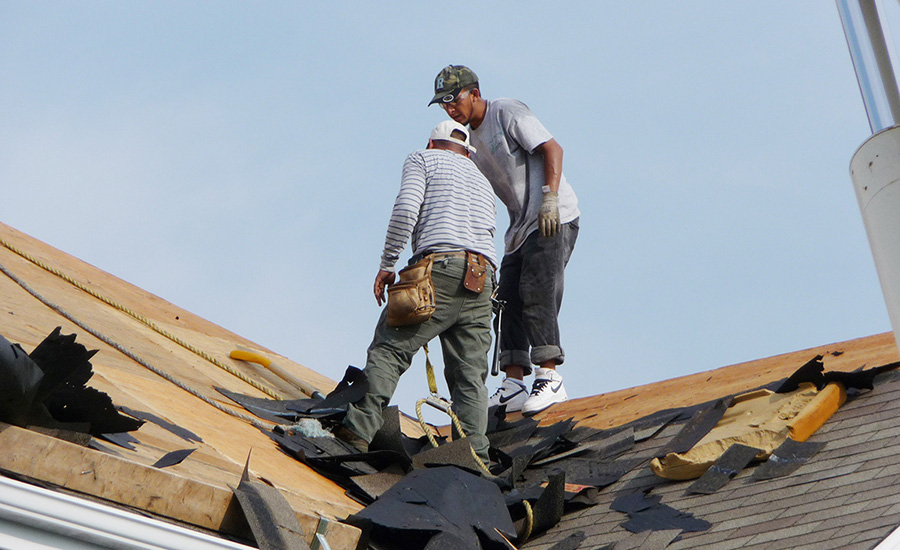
{"x":241,"y":160}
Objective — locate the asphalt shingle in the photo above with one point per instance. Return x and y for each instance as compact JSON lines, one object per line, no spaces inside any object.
{"x":845,"y":496}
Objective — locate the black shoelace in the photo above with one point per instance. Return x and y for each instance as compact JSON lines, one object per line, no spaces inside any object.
{"x":539,"y":385}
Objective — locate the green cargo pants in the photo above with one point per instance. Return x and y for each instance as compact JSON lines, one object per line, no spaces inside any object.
{"x":462,"y":320}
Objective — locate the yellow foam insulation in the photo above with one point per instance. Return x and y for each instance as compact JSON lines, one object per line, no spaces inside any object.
{"x":762,"y":419}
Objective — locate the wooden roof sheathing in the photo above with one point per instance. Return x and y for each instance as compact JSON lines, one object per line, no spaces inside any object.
{"x":227,"y":441}
{"x":623,"y":406}
{"x":846,"y":498}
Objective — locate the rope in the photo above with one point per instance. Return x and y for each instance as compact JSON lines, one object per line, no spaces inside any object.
{"x":128,"y":353}
{"x":432,"y":385}
{"x":529,"y":522}
{"x":453,"y":418}
{"x":143,"y":320}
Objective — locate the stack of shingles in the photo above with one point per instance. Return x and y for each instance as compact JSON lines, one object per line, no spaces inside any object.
{"x":421,"y":497}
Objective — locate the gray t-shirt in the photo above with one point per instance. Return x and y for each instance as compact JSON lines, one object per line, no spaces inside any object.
{"x":505,"y":141}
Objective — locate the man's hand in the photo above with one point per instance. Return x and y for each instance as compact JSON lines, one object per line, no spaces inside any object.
{"x":383,"y":279}
{"x":548,"y":219}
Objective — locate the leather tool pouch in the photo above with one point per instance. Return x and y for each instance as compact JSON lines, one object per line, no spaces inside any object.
{"x":476,"y":272}
{"x":411,"y":300}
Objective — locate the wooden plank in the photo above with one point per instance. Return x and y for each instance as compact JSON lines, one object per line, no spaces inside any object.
{"x":121,"y":481}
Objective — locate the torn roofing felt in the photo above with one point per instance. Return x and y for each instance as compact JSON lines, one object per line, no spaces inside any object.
{"x":544,"y":474}
{"x":47,"y":388}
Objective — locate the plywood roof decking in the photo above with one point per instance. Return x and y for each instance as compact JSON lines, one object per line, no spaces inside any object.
{"x":862,"y":439}
{"x":623,"y":406}
{"x":227,"y":441}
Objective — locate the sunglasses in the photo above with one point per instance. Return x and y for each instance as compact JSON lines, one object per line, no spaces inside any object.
{"x":447,"y":101}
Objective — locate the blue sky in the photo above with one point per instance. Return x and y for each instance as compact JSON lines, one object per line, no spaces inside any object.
{"x":241,"y":160}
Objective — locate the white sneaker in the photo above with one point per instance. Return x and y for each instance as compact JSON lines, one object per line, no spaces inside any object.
{"x":511,"y":393}
{"x":547,"y":389}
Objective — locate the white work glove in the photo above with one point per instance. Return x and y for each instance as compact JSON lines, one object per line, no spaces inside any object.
{"x":548,"y":219}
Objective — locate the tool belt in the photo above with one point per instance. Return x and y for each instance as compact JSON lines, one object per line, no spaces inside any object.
{"x":476,"y":272}
{"x":476,"y":268}
{"x":411,"y":300}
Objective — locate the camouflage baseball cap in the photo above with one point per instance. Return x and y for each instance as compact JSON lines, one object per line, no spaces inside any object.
{"x":450,"y":81}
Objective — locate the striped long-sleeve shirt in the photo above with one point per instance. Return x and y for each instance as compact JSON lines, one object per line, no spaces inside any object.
{"x":445,"y":203}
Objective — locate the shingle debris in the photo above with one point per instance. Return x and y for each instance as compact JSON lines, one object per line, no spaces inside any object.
{"x":174,"y":429}
{"x":46,"y":388}
{"x":465,"y":510}
{"x":272,"y":520}
{"x":733,"y":460}
{"x":647,"y":513}
{"x":542,"y":475}
{"x":172,"y":458}
{"x":787,"y":458}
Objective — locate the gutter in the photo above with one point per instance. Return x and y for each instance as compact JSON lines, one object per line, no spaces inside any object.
{"x":35,"y":518}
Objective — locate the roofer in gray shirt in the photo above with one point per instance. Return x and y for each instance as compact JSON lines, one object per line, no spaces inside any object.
{"x":524,"y":165}
{"x":446,"y":206}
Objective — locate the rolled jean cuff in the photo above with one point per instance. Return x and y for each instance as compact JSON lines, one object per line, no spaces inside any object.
{"x":542,"y":354}
{"x":515,"y":357}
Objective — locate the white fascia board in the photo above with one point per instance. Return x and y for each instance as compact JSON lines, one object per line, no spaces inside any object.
{"x":892,"y":542}
{"x":43,"y":519}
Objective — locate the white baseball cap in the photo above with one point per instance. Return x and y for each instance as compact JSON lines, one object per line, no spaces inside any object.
{"x":446,"y":128}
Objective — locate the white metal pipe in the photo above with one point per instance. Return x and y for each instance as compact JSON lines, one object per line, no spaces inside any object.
{"x":871,"y":60}
{"x":875,"y":171}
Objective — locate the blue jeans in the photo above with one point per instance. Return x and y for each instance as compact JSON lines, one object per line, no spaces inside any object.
{"x":531,"y":283}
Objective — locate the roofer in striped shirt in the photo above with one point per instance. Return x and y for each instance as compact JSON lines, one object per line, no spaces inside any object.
{"x":446,"y":207}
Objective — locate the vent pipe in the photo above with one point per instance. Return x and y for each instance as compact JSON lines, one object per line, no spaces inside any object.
{"x":872,"y":61}
{"x":875,"y":167}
